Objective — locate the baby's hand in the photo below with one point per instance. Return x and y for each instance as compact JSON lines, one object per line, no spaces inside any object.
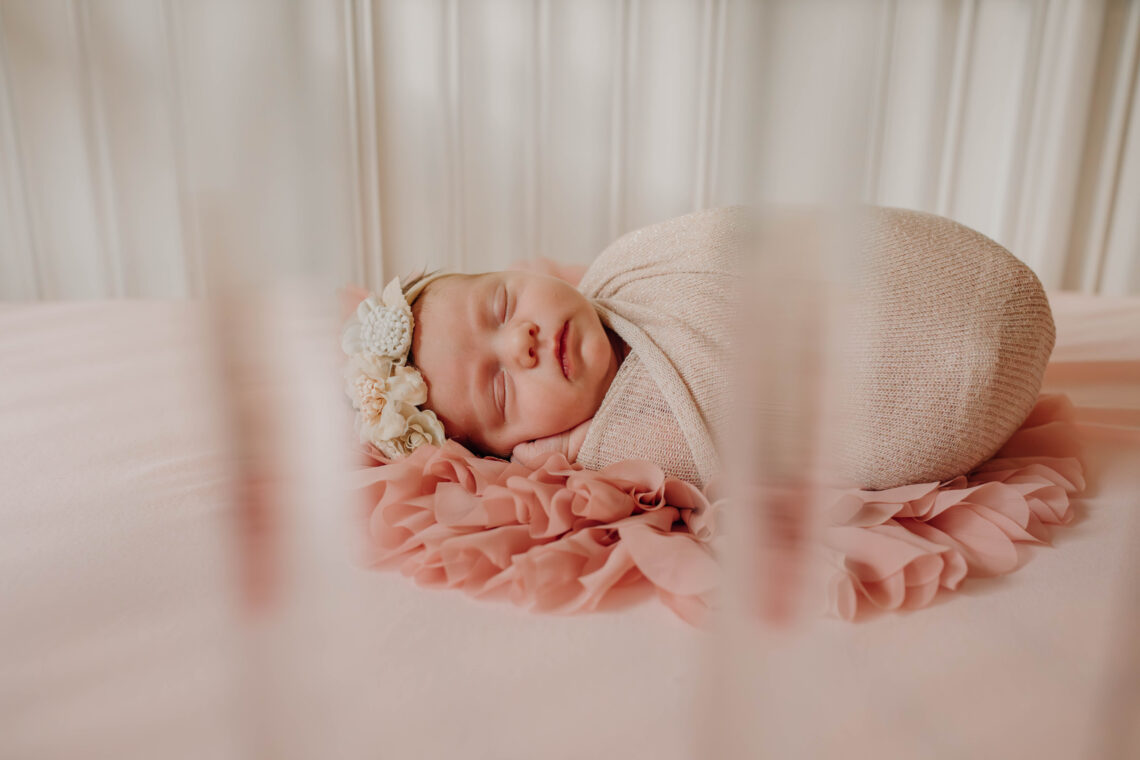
{"x":533,"y":453}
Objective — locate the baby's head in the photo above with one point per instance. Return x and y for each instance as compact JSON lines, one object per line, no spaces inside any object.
{"x":509,"y":357}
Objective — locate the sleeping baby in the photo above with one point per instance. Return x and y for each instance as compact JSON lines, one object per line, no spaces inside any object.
{"x":628,"y":365}
{"x":951,"y":336}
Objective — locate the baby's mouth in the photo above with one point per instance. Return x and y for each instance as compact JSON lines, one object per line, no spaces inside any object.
{"x":563,"y":361}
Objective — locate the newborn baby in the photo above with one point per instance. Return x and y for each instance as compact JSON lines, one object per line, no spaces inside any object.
{"x":630,"y":365}
{"x":947,"y":348}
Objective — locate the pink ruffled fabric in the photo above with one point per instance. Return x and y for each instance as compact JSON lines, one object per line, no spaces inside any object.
{"x":560,"y":538}
{"x":895,"y":549}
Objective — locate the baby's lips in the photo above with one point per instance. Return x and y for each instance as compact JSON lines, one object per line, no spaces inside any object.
{"x":555,"y":342}
{"x":561,"y":346}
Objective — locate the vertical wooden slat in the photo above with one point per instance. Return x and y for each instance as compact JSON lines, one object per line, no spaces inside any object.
{"x":1045,"y":211}
{"x":704,"y":95}
{"x":535,"y":200}
{"x":366,"y":146}
{"x":493,"y":82}
{"x":377,"y":270}
{"x":914,"y":103}
{"x":359,"y":257}
{"x":452,"y":89}
{"x":718,"y":102}
{"x":193,"y":259}
{"x":1108,"y":172}
{"x":880,"y":100}
{"x":28,"y":282}
{"x":46,"y":91}
{"x":414,"y":139}
{"x":1029,"y":83}
{"x":1119,"y":271}
{"x":625,"y":50}
{"x":98,"y":154}
{"x":739,"y":128}
{"x":579,"y":100}
{"x":711,"y":85}
{"x":663,"y":98}
{"x":959,"y":81}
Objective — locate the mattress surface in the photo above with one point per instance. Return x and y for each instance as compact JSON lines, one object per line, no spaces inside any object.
{"x":123,"y":634}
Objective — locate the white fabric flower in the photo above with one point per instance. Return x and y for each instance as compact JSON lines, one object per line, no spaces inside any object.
{"x":381,"y":326}
{"x":372,"y":365}
{"x":385,"y":403}
{"x":367,"y":396}
{"x":391,"y":423}
{"x":406,"y":384}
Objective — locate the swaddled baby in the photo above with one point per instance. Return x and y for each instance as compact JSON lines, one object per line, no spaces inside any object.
{"x":952,"y":334}
{"x":629,"y":365}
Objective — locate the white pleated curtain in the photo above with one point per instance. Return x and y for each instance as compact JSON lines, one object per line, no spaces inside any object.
{"x":358,"y":139}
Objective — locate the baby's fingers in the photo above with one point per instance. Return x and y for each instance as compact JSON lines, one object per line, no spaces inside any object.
{"x":524,"y":453}
{"x":519,"y":453}
{"x":534,"y":453}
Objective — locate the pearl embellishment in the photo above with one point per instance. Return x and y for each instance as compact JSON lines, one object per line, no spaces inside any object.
{"x":387,"y":332}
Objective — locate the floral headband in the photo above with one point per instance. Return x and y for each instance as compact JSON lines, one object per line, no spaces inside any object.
{"x":384,"y":389}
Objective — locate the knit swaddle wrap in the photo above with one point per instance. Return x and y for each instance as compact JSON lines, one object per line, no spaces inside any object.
{"x":666,"y":290}
{"x":948,"y":346}
{"x":952,"y":334}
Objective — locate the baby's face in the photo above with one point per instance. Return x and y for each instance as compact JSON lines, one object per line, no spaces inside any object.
{"x":510,"y":357}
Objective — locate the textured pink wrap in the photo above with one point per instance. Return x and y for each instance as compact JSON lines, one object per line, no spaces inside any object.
{"x":560,"y":538}
{"x":557,"y":538}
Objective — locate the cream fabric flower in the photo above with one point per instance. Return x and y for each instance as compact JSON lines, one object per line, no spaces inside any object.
{"x":367,"y":396}
{"x":420,"y":427}
{"x":381,"y":326}
{"x":387,"y":404}
{"x":372,"y":365}
{"x":406,"y":384}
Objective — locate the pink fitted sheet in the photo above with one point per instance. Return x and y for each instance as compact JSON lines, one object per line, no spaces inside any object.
{"x":122,"y":634}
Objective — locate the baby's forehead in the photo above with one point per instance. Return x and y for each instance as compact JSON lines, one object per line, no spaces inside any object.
{"x":451,"y":285}
{"x":440,"y":350}
{"x":447,"y":297}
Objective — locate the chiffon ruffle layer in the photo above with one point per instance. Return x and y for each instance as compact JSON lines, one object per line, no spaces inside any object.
{"x":558,"y":538}
{"x":895,"y":549}
{"x":564,"y":539}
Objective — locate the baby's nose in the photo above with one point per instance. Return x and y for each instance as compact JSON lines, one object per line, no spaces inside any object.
{"x":524,"y":344}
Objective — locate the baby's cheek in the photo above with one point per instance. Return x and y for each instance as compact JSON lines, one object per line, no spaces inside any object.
{"x":548,"y":414}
